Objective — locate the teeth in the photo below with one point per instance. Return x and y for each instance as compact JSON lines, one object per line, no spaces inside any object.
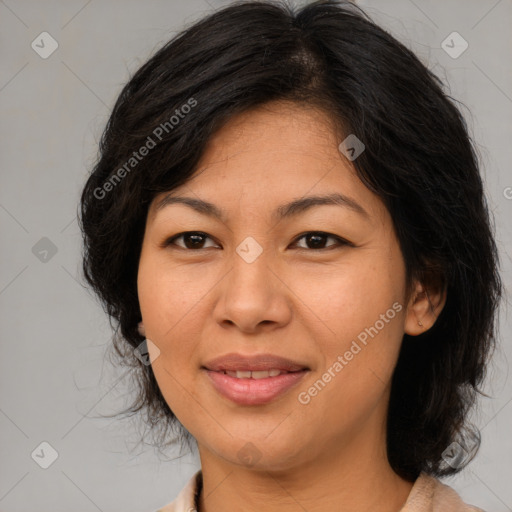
{"x":254,"y":375}
{"x":242,"y":375}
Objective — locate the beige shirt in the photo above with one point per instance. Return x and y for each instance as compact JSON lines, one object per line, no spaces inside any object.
{"x":427,"y":495}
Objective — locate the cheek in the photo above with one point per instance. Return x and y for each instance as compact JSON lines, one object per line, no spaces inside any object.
{"x":358,"y":366}
{"x":168,"y":302}
{"x":344,"y":300}
{"x":166,"y":296}
{"x":358,"y":318}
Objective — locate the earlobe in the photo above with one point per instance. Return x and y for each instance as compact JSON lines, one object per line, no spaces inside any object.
{"x":423,"y":309}
{"x":142,"y":330}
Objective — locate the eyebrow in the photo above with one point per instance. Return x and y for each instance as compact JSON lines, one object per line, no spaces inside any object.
{"x":293,"y":208}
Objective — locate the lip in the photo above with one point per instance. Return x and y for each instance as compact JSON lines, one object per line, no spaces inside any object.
{"x":253,"y":391}
{"x":255,"y":362}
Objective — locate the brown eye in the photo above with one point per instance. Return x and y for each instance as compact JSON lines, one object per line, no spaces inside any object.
{"x":191,"y":240}
{"x":316,"y":240}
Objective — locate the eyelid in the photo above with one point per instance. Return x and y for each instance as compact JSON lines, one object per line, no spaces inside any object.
{"x":340,"y":241}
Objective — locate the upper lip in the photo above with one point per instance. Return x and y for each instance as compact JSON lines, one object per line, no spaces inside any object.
{"x":233,"y":362}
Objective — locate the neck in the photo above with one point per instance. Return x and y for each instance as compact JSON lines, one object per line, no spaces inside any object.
{"x":355,"y":478}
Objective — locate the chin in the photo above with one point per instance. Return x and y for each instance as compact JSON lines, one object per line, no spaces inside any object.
{"x":261,"y":452}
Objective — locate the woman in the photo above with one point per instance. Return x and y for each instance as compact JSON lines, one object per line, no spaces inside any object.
{"x":287,"y":223}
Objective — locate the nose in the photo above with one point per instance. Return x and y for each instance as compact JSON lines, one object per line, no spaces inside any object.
{"x":253,"y":296}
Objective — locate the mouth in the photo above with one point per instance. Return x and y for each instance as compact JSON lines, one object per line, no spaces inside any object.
{"x":251,"y":390}
{"x":260,"y":374}
{"x":253,"y":380}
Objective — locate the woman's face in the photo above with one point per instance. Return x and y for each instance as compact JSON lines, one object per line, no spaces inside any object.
{"x":251,"y":283}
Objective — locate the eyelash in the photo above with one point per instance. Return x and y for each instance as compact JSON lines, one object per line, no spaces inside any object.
{"x":341,"y":241}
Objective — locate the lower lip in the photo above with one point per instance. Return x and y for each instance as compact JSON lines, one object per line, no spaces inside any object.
{"x":253,"y":391}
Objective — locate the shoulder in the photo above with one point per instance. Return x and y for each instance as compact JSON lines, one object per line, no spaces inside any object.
{"x":431,"y":495}
{"x":186,"y":499}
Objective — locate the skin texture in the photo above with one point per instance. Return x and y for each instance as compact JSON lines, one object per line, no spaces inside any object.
{"x":295,"y":300}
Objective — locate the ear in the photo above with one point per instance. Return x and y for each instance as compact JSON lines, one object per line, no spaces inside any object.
{"x":142,"y":330}
{"x":426,"y":303}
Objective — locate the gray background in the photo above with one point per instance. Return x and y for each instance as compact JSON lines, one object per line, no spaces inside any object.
{"x":54,"y":380}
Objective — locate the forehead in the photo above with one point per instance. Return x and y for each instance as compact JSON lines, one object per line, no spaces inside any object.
{"x":272,"y":153}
